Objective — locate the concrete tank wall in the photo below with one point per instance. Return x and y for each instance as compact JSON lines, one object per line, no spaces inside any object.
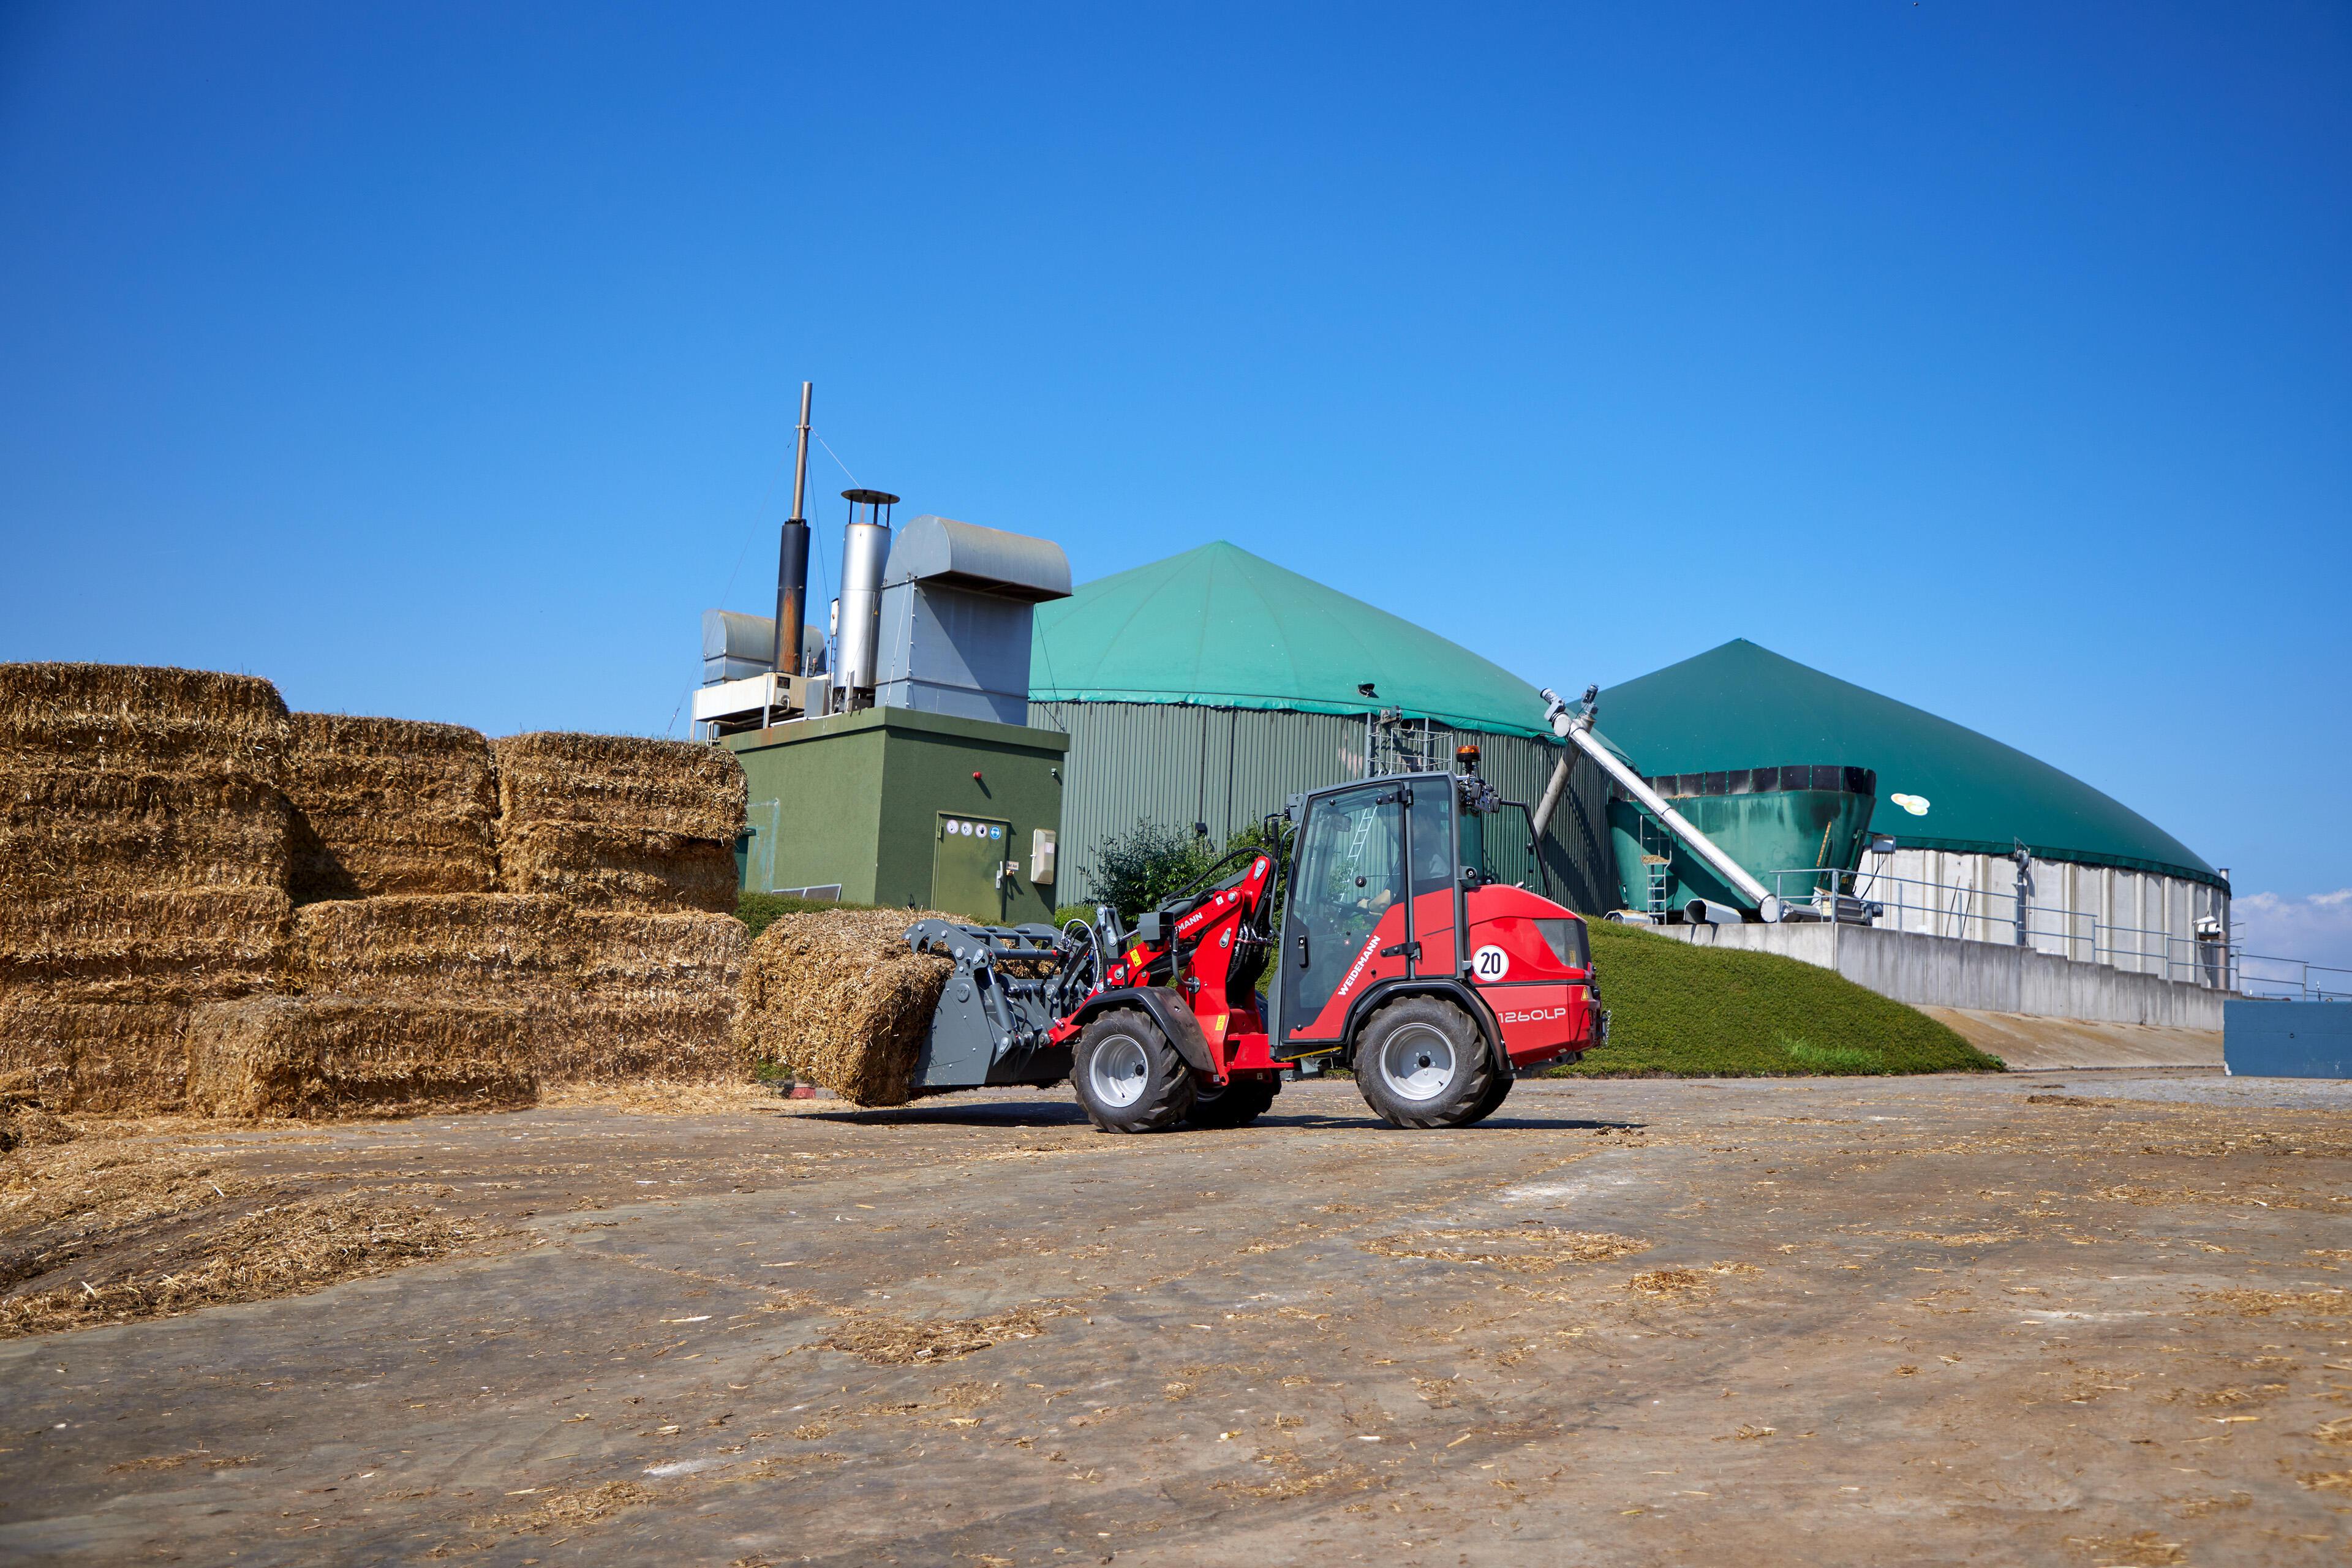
{"x":1947,"y":972}
{"x":2137,"y":922}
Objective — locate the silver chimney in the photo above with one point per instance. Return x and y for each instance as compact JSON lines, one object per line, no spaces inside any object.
{"x":864,"y":551}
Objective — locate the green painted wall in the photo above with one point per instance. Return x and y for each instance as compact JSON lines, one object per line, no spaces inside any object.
{"x":856,"y":798}
{"x":1778,"y":831}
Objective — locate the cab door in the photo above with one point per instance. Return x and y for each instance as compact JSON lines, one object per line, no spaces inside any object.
{"x":1348,"y":873}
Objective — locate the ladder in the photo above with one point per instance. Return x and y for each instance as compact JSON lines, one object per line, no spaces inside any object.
{"x":1353,"y":862}
{"x":1657,"y":863}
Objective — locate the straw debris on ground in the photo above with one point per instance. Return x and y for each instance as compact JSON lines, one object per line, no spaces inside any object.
{"x":840,"y":999}
{"x":341,"y":1056}
{"x":282,"y":1249}
{"x":390,"y":805}
{"x":884,"y":1340}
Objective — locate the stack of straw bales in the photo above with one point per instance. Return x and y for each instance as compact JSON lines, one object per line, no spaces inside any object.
{"x":616,"y":823}
{"x":325,"y":1056}
{"x":390,"y":805}
{"x":144,"y":852}
{"x":460,"y":934}
{"x":840,"y":998}
{"x":639,"y":837}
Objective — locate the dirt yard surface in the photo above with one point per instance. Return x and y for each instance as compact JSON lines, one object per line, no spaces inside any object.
{"x":2104,"y":1320}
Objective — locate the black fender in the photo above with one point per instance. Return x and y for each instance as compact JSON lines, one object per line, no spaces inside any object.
{"x":1167,"y":1010}
{"x":1460,"y":993}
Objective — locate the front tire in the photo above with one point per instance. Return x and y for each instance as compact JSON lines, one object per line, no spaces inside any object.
{"x":1422,"y":1062}
{"x":1493,"y":1101}
{"x":1239,"y":1103}
{"x":1129,"y":1076}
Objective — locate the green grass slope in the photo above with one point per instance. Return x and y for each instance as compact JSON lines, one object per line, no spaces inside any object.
{"x":1709,"y":1012}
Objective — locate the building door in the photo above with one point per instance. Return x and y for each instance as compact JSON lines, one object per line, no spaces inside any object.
{"x":968,"y":867}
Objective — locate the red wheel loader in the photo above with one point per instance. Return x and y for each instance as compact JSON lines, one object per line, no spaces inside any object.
{"x":1404,"y":929}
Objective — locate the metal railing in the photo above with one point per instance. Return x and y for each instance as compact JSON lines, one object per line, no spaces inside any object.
{"x":2290,"y":979}
{"x":1915,"y":904}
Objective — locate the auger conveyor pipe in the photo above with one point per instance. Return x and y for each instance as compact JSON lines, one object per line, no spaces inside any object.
{"x":1575,"y":729}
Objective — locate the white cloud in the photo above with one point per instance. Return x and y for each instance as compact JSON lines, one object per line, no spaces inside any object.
{"x":2318,"y":929}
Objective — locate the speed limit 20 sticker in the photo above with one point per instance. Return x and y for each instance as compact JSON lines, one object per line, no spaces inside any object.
{"x":1490,"y":964}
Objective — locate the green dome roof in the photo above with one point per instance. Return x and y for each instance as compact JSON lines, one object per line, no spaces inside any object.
{"x":1220,"y":628}
{"x":1741,"y":706}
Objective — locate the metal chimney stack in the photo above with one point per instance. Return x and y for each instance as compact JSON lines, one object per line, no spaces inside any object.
{"x":864,"y":551}
{"x":792,"y":560}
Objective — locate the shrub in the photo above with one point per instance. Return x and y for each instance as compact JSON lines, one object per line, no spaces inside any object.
{"x":756,"y":910}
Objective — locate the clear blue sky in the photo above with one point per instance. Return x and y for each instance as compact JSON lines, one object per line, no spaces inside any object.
{"x":440,"y":359}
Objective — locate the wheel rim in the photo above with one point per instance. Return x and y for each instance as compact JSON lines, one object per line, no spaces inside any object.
{"x":1417,"y":1063}
{"x":1120,"y":1073}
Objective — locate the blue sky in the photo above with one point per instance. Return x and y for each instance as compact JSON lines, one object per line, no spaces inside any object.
{"x":440,"y":359}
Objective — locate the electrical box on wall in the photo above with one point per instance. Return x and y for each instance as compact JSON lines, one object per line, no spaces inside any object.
{"x":907,"y":808}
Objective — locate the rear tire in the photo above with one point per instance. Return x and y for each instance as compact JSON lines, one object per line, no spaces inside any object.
{"x":1129,"y":1076}
{"x":1239,"y":1103}
{"x":1422,"y":1062}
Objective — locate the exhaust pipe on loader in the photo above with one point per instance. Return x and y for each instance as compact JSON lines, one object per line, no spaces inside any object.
{"x":1575,"y":729}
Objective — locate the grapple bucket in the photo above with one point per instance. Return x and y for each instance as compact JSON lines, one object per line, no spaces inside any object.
{"x":990,"y":1023}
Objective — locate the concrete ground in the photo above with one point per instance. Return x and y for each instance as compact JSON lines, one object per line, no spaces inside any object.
{"x":1975,"y":1319}
{"x":2032,"y":1043}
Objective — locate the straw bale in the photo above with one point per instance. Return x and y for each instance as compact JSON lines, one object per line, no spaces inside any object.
{"x":594,"y":1040}
{"x":142,"y":718}
{"x":170,"y":945}
{"x":67,"y":828}
{"x":390,"y":805}
{"x":335,"y":1056}
{"x":94,"y":1055}
{"x":638,"y":957}
{"x":621,"y":781}
{"x":657,"y":999}
{"x":838,"y":997}
{"x":426,"y":947}
{"x":601,"y":868}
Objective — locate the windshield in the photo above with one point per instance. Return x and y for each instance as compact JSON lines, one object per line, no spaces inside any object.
{"x":1501,"y":847}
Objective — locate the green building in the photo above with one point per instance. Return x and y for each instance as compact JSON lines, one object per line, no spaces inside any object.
{"x":1207,"y":689}
{"x":896,"y":805}
{"x":1798,"y":770}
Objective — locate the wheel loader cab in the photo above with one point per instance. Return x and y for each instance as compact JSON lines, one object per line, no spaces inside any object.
{"x":1382,"y":877}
